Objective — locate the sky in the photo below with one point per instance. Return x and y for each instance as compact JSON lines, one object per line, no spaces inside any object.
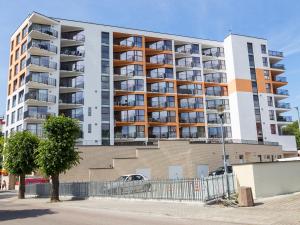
{"x":276,"y":20}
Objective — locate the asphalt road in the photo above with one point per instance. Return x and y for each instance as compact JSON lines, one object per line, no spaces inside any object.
{"x":283,"y":210}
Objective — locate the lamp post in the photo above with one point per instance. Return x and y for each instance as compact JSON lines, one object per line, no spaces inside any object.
{"x":221,"y":115}
{"x":297,"y":108}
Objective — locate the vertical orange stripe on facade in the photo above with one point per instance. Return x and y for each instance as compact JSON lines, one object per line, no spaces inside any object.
{"x":239,"y":85}
{"x":261,"y":82}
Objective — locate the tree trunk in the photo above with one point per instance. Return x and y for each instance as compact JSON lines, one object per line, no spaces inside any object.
{"x":55,"y":188}
{"x":21,"y":194}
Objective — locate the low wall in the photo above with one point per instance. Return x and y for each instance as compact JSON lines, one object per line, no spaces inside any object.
{"x":269,"y":178}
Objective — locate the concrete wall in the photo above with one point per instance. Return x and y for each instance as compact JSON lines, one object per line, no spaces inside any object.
{"x":269,"y":179}
{"x":109,"y":162}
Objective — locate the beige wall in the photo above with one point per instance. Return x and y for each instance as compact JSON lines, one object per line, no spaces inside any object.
{"x":109,"y":162}
{"x":269,"y":179}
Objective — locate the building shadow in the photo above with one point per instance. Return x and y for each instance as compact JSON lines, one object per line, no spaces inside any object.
{"x":22,"y":214}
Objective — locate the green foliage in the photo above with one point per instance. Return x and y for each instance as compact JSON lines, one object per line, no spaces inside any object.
{"x":293,"y":129}
{"x":1,"y":150}
{"x":57,"y":152}
{"x":19,"y":153}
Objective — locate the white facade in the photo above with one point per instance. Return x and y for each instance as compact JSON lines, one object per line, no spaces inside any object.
{"x":90,"y":102}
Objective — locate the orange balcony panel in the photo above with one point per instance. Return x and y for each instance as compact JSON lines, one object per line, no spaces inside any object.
{"x":123,"y":107}
{"x":192,"y":124}
{"x":277,"y":84}
{"x":155,"y":94}
{"x":180,"y":82}
{"x":118,"y":62}
{"x":120,"y":93}
{"x":190,"y":110}
{"x":155,"y":109}
{"x":179,"y":95}
{"x":122,"y":48}
{"x":153,"y":65}
{"x":122,"y":35}
{"x":150,"y":51}
{"x":211,"y":84}
{"x":155,"y":80}
{"x":162,"y":123}
{"x":119,"y":123}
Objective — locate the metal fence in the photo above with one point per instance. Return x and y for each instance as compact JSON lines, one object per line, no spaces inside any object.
{"x":200,"y":189}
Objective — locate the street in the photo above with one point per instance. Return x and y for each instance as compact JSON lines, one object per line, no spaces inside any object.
{"x":281,"y":210}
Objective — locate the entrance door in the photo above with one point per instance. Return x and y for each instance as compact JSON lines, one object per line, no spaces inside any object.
{"x":175,"y":172}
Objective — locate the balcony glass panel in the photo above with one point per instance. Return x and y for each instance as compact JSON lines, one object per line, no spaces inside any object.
{"x":188,"y":49}
{"x":283,"y":105}
{"x":129,"y":56}
{"x":215,"y":77}
{"x":43,"y":61}
{"x":129,"y":85}
{"x":73,"y":51}
{"x":161,"y":102}
{"x":215,"y":132}
{"x":214,"y":64}
{"x":73,"y":35}
{"x":73,"y":113}
{"x":41,"y":44}
{"x":277,"y":66}
{"x":129,"y":42}
{"x":216,"y":91}
{"x":42,"y":78}
{"x":284,"y":118}
{"x":46,"y":29}
{"x":215,"y":52}
{"x":72,"y":66}
{"x":191,"y":75}
{"x":161,"y":59}
{"x":162,"y":116}
{"x":192,"y":132}
{"x":214,"y":104}
{"x":188,"y":62}
{"x":191,"y":117}
{"x":36,"y":112}
{"x":74,"y":82}
{"x":40,"y":95}
{"x":130,"y":70}
{"x":162,"y":132}
{"x":161,"y":87}
{"x":72,"y":98}
{"x":275,"y":53}
{"x":160,"y":73}
{"x":191,"y":103}
{"x":281,"y":92}
{"x":130,"y":116}
{"x":280,"y":79}
{"x":130,"y":132}
{"x":160,"y":45}
{"x":192,"y":89}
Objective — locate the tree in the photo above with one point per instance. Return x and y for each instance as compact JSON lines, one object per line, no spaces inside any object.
{"x":293,"y":129}
{"x":57,"y":153}
{"x":19,"y":156}
{"x":1,"y":150}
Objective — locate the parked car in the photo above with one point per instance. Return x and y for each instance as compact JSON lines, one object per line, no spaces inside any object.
{"x":128,"y":184}
{"x":220,"y":171}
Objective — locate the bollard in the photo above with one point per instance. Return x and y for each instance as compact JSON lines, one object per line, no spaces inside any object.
{"x":245,"y":197}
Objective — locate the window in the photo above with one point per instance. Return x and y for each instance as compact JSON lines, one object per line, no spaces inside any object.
{"x":18,"y":39}
{"x":15,"y":85}
{"x":19,"y":128}
{"x":105,"y":82}
{"x":23,"y":47}
{"x":21,"y":96}
{"x":270,"y":101}
{"x":11,"y":59}
{"x":273,"y":128}
{"x":22,"y":80}
{"x":105,"y":38}
{"x":257,"y":114}
{"x":12,"y":45}
{"x":17,"y":54}
{"x":13,"y":117}
{"x":24,"y":31}
{"x":266,"y":74}
{"x":254,"y":86}
{"x":14,"y":101}
{"x":105,"y":97}
{"x":7,"y":120}
{"x":105,"y":66}
{"x":105,"y":113}
{"x":263,"y":49}
{"x":268,"y":88}
{"x":253,"y":74}
{"x":250,"y":48}
{"x":89,"y":111}
{"x":271,"y":114}
{"x":23,"y":63}
{"x":89,"y":128}
{"x":8,"y":104}
{"x":105,"y":52}
{"x":251,"y":61}
{"x":265,"y":61}
{"x":16,"y":69}
{"x":105,"y":130}
{"x":20,"y":114}
{"x":256,"y":101}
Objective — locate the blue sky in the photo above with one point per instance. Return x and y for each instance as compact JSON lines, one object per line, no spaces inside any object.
{"x":278,"y":21}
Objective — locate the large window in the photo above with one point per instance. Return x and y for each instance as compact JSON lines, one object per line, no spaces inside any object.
{"x":105,"y":38}
{"x":105,"y":97}
{"x":105,"y":114}
{"x":105,"y":67}
{"x":105,"y":52}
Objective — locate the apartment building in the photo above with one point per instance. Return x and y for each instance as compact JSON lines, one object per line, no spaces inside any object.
{"x":128,"y":85}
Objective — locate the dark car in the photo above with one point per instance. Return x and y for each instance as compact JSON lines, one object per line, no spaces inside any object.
{"x":220,"y":171}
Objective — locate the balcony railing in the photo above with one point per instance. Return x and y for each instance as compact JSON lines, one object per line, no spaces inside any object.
{"x":72,"y":52}
{"x":163,"y":119}
{"x":215,"y":78}
{"x":40,"y":78}
{"x":131,"y":88}
{"x":79,"y":101}
{"x":280,"y":79}
{"x":190,"y":105}
{"x":188,"y":64}
{"x":215,"y":52}
{"x":282,"y":92}
{"x":216,"y":65}
{"x":43,"y":29}
{"x":157,"y":104}
{"x":277,"y":66}
{"x":160,"y":61}
{"x":35,"y":115}
{"x":275,"y":53}
{"x":191,"y":120}
{"x":134,"y":118}
{"x":129,"y":103}
{"x":216,"y":93}
{"x":72,"y":67}
{"x":71,"y":84}
{"x":161,"y":90}
{"x":160,"y":75}
{"x":73,"y":36}
{"x":283,"y":105}
{"x":40,"y":97}
{"x":284,"y":118}
{"x":43,"y":46}
{"x":187,"y":49}
{"x":41,"y":62}
{"x":189,"y":91}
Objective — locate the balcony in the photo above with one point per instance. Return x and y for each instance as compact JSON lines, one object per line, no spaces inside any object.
{"x":28,"y":115}
{"x":185,"y":63}
{"x":41,"y":64}
{"x":187,"y":49}
{"x":162,"y":59}
{"x":214,"y":65}
{"x":281,"y":92}
{"x":284,"y":119}
{"x":40,"y":97}
{"x":280,"y":79}
{"x":72,"y":38}
{"x":169,"y":119}
{"x":216,"y":92}
{"x":194,"y":75}
{"x":191,"y":120}
{"x":132,"y":118}
{"x":72,"y":53}
{"x":189,"y":91}
{"x":282,"y":105}
{"x":39,"y":80}
{"x":157,"y":104}
{"x":71,"y":68}
{"x":73,"y":113}
{"x":275,"y":53}
{"x":37,"y":47}
{"x":40,"y":31}
{"x":164,"y":45}
{"x":277,"y":66}
{"x":215,"y":77}
{"x":213,"y":52}
{"x":71,"y":84}
{"x":129,"y":42}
